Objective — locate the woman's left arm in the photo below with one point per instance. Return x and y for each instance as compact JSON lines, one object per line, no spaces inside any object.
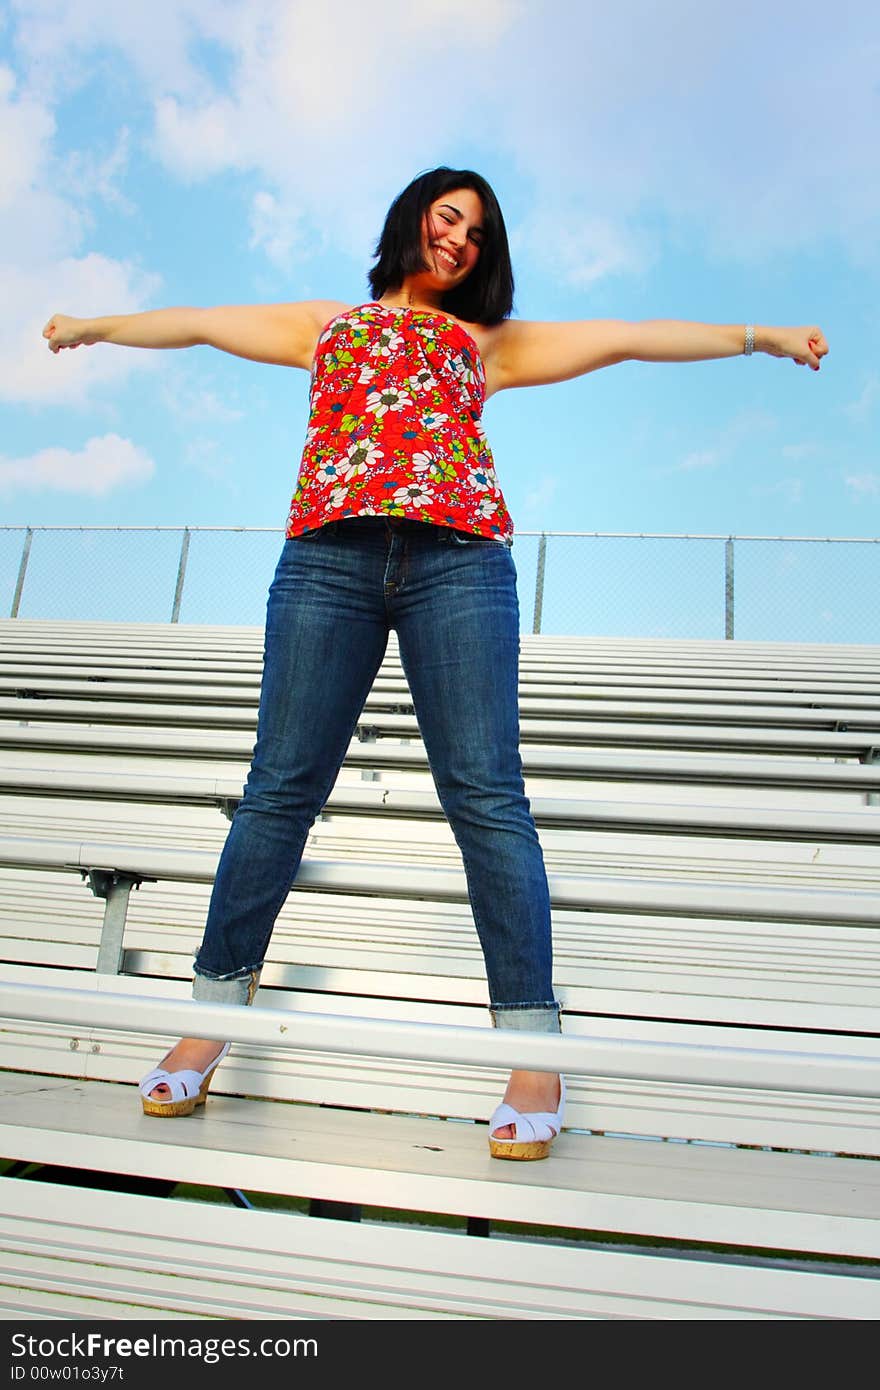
{"x":536,"y":354}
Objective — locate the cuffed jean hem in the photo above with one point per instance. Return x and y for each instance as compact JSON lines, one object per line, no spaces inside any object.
{"x":239,"y":989}
{"x":527,"y":1018}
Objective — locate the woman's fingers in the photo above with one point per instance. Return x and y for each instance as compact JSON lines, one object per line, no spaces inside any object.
{"x":805,"y":346}
{"x":810,"y":353}
{"x":59,"y":327}
{"x":817,"y":345}
{"x":51,"y":332}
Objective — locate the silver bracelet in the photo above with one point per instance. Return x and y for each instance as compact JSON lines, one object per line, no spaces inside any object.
{"x":750,"y":340}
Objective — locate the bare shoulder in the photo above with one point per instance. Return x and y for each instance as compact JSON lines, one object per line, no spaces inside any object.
{"x":322,"y":311}
{"x":509,"y":334}
{"x":532,"y":352}
{"x":291,"y":330}
{"x":495,"y":341}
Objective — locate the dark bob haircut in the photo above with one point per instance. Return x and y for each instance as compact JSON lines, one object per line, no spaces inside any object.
{"x":486,"y":296}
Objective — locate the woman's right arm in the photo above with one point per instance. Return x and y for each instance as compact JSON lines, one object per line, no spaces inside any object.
{"x":283,"y":334}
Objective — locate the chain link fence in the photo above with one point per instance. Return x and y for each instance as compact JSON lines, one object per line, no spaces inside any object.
{"x":754,"y":588}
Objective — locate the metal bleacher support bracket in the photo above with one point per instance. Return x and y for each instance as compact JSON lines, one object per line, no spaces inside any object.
{"x":872,"y":756}
{"x":368,"y":734}
{"x":115,"y":888}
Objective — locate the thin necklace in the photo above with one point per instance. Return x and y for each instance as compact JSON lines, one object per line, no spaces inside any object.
{"x":411,"y":304}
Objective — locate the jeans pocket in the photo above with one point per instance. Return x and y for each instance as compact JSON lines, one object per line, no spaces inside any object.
{"x":471,"y":538}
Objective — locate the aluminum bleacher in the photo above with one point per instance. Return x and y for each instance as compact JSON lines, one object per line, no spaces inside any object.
{"x":709,"y":818}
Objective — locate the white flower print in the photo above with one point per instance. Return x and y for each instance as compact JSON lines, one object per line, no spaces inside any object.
{"x":421,"y":381}
{"x":461,"y":366}
{"x":328,"y":474}
{"x":336,"y":499}
{"x":399,"y":394}
{"x":387,"y":343}
{"x":335,"y":326}
{"x":378,"y":402}
{"x":359,"y":458}
{"x":350,"y":469}
{"x":416,"y":494}
{"x":480,"y":479}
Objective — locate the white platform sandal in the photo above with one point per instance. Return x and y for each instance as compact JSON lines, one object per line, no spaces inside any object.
{"x":534,"y":1132}
{"x":188,"y":1088}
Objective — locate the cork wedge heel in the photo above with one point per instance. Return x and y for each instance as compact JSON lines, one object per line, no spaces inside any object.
{"x":187,"y":1089}
{"x":534,"y":1132}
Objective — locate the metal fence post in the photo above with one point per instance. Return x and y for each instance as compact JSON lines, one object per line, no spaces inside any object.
{"x":539,"y":582}
{"x":181,"y":575}
{"x":22,"y":571}
{"x":728,"y":588}
{"x":635,"y":606}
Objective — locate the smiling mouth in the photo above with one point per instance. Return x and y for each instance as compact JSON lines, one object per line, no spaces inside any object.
{"x":445,"y":258}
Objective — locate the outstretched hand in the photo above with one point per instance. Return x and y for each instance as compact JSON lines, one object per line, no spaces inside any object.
{"x":805,"y":346}
{"x":62,"y":331}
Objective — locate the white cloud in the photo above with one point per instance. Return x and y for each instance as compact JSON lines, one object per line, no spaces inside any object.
{"x":789,"y":489}
{"x":88,"y":285}
{"x":197,"y":142}
{"x":89,"y":174}
{"x":35,"y":222}
{"x":540,"y":497}
{"x":699,"y":459}
{"x":581,"y":250}
{"x":67,"y":44}
{"x":205,"y":456}
{"x":40,"y":272}
{"x":193,"y":401}
{"x":103,"y":465}
{"x":752,"y":130}
{"x":861,"y":485}
{"x":799,"y":451}
{"x":21,"y":146}
{"x":275,"y":228}
{"x":333,"y":108}
{"x":747,"y":427}
{"x":864,"y":404}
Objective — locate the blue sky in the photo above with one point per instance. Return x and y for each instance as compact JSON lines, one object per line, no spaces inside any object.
{"x":690,"y":160}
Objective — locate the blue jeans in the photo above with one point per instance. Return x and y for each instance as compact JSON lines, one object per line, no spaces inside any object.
{"x":451,"y":597}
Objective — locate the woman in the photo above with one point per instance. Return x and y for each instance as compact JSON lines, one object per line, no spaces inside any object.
{"x":397,"y":521}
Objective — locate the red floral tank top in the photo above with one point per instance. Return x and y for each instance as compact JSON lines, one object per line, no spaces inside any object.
{"x":394,"y":428}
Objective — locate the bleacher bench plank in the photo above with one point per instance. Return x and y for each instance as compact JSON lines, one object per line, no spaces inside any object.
{"x":780,"y":822}
{"x":271,"y":1265}
{"x":736,"y":1197}
{"x":702,"y":766}
{"x":647,"y":1078}
{"x":715,"y":919}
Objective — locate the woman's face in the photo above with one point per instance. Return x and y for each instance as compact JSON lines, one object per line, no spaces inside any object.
{"x":452,"y":235}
